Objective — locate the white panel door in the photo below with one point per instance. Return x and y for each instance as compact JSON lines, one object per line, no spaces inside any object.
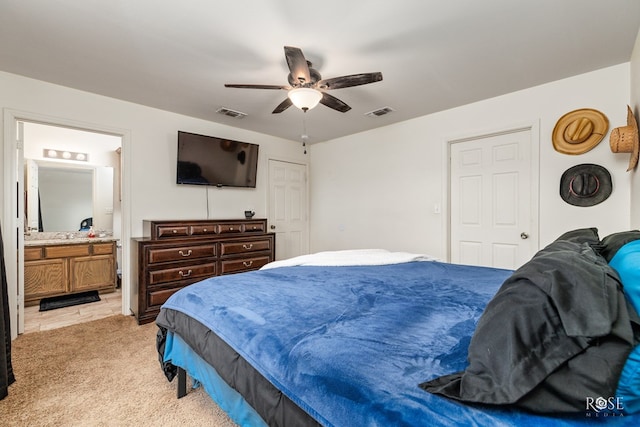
{"x":288,"y":208}
{"x":31,"y":188}
{"x":491,"y":203}
{"x":19,"y":319}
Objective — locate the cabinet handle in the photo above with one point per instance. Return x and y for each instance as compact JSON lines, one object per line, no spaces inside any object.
{"x":247,"y":247}
{"x":247,"y":263}
{"x":183,"y":254}
{"x":174,"y":231}
{"x":182,"y":274}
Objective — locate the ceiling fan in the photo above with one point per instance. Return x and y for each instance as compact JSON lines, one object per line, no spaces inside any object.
{"x":307,"y":88}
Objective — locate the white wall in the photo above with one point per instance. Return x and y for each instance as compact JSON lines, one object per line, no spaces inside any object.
{"x":101,"y":148}
{"x":379,"y":188}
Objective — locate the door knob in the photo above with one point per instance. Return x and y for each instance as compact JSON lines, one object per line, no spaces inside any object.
{"x":524,"y":235}
{"x":273,"y":227}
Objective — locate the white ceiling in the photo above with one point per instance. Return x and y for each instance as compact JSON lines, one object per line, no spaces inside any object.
{"x":433,"y":54}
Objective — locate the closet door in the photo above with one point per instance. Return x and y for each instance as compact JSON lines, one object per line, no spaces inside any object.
{"x":288,"y":212}
{"x":491,"y":203}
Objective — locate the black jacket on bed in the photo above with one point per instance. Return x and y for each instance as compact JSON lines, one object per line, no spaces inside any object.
{"x":558,"y":331}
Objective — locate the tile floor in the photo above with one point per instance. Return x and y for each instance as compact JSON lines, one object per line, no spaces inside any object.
{"x":35,"y":320}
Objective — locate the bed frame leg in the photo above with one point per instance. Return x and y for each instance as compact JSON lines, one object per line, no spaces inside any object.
{"x":182,"y":382}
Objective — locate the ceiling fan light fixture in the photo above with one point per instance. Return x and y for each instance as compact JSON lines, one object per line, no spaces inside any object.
{"x":305,"y":98}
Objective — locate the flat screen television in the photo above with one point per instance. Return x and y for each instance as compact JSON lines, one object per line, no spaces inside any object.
{"x":220,"y":162}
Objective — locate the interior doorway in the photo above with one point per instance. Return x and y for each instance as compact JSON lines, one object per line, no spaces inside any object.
{"x":70,"y":175}
{"x":14,"y":212}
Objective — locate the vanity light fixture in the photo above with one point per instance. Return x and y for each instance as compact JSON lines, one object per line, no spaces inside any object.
{"x":64,"y":154}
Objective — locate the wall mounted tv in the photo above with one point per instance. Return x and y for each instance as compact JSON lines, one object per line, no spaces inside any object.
{"x":208,"y":160}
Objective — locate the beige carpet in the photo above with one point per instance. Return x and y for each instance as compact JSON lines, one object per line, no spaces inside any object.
{"x":99,"y":373}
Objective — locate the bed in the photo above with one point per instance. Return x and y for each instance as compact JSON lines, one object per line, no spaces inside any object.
{"x":375,"y":338}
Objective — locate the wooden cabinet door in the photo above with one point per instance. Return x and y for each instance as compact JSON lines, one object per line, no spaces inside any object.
{"x":44,"y":278}
{"x":88,"y":273}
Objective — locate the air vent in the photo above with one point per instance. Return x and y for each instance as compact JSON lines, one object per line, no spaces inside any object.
{"x":231,"y":113}
{"x":379,"y":112}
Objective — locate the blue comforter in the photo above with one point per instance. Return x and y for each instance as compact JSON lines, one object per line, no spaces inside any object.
{"x":350,"y":345}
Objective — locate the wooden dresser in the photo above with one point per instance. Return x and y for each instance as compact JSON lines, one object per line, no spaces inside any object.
{"x":174,"y":254}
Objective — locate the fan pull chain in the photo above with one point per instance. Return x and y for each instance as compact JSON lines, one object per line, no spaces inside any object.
{"x":305,"y":137}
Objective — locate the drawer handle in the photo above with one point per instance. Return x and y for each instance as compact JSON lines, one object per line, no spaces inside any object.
{"x":247,"y":247}
{"x":174,"y":231}
{"x":247,"y":263}
{"x":185,"y":254}
{"x":183,"y":274}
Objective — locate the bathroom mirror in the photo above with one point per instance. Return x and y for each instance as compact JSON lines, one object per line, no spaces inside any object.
{"x":59,"y":197}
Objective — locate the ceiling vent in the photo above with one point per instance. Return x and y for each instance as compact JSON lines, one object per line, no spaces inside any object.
{"x":231,"y":113}
{"x":379,"y":112}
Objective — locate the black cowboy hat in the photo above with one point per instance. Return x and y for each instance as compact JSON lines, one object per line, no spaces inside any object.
{"x":585,"y":185}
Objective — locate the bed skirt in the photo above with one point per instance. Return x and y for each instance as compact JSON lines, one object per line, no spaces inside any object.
{"x":262,"y":397}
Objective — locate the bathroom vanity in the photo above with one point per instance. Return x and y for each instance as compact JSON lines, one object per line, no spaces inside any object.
{"x":57,"y":267}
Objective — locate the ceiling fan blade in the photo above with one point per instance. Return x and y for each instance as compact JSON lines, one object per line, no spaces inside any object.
{"x":250,"y":86}
{"x":348,"y":81}
{"x":283,"y":106}
{"x":297,"y":64}
{"x":333,"y":102}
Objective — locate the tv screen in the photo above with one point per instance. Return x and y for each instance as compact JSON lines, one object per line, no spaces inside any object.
{"x":208,"y":160}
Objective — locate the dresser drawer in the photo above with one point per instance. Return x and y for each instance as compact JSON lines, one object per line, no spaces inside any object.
{"x":230,"y":228}
{"x":244,"y":264}
{"x":203,"y":230}
{"x":254,"y":227}
{"x":180,"y":253}
{"x":172,"y":231}
{"x":182,"y":273}
{"x":158,"y":297}
{"x":232,"y":248}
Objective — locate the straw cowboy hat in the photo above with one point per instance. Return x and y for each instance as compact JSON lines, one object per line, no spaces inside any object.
{"x":625,"y":139}
{"x":579,"y":131}
{"x":585,"y":185}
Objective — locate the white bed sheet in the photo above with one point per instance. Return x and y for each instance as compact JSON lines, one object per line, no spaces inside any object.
{"x":351,"y":257}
